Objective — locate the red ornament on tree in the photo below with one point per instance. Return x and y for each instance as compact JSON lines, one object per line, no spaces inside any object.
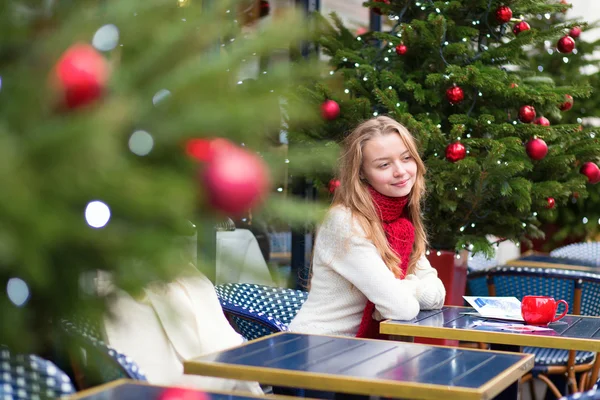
{"x":333,"y":185}
{"x":592,"y":172}
{"x":574,"y":32}
{"x":513,"y":85}
{"x":568,"y":104}
{"x":182,"y":394}
{"x":455,"y":94}
{"x":235,"y":180}
{"x":520,"y":27}
{"x":542,"y":121}
{"x":503,"y":14}
{"x":536,"y":149}
{"x":550,"y":203}
{"x":565,"y":44}
{"x":361,"y":31}
{"x":401,"y":49}
{"x":330,"y":110}
{"x":265,"y":8}
{"x":81,"y":75}
{"x":526,"y":114}
{"x":455,"y":152}
{"x":377,"y":10}
{"x":204,"y":149}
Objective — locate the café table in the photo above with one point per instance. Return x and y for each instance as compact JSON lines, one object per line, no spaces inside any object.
{"x":126,"y":389}
{"x":573,"y":332}
{"x":367,"y":367}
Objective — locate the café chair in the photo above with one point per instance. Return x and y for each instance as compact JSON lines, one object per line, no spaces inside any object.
{"x":592,"y":394}
{"x":588,"y":252}
{"x":477,"y":283}
{"x":27,"y":376}
{"x":93,"y":362}
{"x":581,"y":290}
{"x":258,"y":310}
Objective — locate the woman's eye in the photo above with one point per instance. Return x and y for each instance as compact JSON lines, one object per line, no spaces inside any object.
{"x":407,"y":158}
{"x":383,"y":165}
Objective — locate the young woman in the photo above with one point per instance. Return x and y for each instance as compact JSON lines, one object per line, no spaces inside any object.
{"x":369,"y":257}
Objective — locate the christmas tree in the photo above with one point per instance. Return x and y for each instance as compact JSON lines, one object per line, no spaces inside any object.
{"x":457,"y":75}
{"x":124,"y":124}
{"x":580,"y":218}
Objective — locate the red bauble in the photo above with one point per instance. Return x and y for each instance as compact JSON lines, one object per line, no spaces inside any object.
{"x":526,"y":114}
{"x":235,"y":180}
{"x":536,"y":149}
{"x":361,"y":31}
{"x":182,"y":394}
{"x":330,"y":110}
{"x":513,"y":85}
{"x":568,"y":104}
{"x":520,"y":27}
{"x":333,"y":185}
{"x":575,"y":32}
{"x":81,"y":75}
{"x":455,"y":152}
{"x":565,"y":44}
{"x":542,"y":121}
{"x":455,"y":94}
{"x":550,"y":203}
{"x":204,"y":149}
{"x":503,"y":14}
{"x":377,"y":10}
{"x":401,"y":49}
{"x":592,"y":172}
{"x":265,"y":8}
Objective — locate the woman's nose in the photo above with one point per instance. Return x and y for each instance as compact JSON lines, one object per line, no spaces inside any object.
{"x":398,"y":170}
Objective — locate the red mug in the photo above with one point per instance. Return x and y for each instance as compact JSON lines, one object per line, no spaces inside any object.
{"x":541,"y":310}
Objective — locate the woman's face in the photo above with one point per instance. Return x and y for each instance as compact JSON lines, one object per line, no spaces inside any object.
{"x":388,"y":165}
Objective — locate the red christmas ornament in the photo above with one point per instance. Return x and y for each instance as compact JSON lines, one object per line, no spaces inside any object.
{"x":265,"y":8}
{"x":81,"y":75}
{"x":204,"y":149}
{"x":401,"y":49}
{"x":574,"y":32}
{"x":182,"y":394}
{"x":566,"y":3}
{"x":536,"y":149}
{"x":377,"y":10}
{"x":542,"y":121}
{"x":455,"y":152}
{"x":565,"y":44}
{"x":361,"y":31}
{"x":503,"y":14}
{"x":330,"y":110}
{"x":455,"y":94}
{"x":591,"y":171}
{"x":235,"y":180}
{"x":568,"y":104}
{"x":513,"y":85}
{"x":550,"y":203}
{"x":333,"y":185}
{"x":526,"y":114}
{"x":520,"y":27}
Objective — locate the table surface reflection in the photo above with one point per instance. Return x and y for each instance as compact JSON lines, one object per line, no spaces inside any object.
{"x":364,"y":366}
{"x":573,"y":332}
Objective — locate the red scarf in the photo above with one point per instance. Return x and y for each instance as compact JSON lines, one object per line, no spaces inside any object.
{"x":400,"y":234}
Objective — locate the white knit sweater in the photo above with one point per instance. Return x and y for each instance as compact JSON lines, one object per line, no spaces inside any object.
{"x":347,"y":270}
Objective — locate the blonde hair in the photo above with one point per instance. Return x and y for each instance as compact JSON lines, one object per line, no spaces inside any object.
{"x":354,"y":194}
